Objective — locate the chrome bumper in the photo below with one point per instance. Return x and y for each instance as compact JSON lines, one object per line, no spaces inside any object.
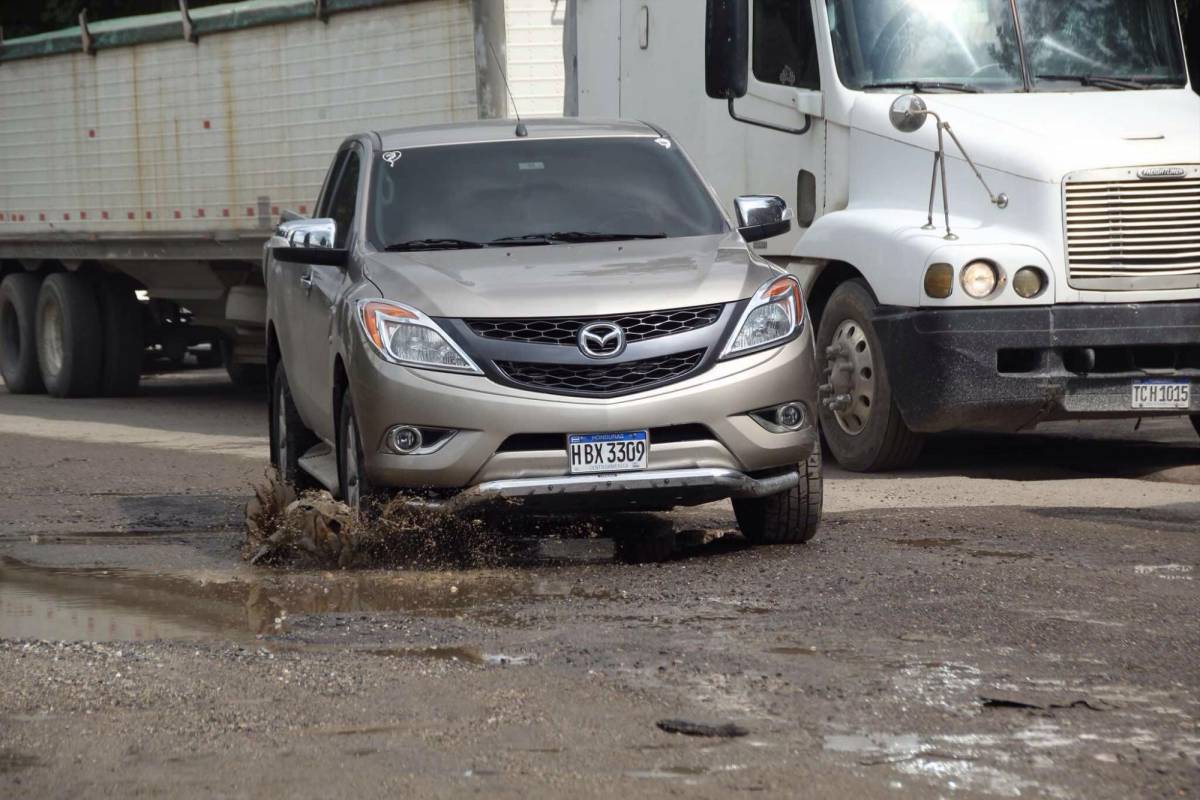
{"x":652,"y":489}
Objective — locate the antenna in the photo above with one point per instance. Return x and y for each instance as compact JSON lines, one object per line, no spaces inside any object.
{"x":522,"y":131}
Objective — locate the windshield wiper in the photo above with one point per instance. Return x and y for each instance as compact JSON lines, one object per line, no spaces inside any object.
{"x":570,"y":237}
{"x":1099,"y":81}
{"x":924,"y":86}
{"x":433,"y":244}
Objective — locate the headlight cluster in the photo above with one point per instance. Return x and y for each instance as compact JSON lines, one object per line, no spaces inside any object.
{"x":774,"y":314}
{"x":982,"y":280}
{"x":403,"y":335}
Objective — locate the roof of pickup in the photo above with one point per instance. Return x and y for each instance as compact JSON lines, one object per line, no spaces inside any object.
{"x":504,"y":130}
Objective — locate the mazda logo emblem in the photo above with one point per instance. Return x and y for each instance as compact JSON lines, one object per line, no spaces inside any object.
{"x":601,"y":340}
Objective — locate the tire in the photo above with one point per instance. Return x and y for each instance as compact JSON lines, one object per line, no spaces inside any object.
{"x":1196,"y":422}
{"x":790,"y":517}
{"x":123,"y":343}
{"x":69,"y":336}
{"x":356,"y":490}
{"x":290,"y":437}
{"x":870,"y":435}
{"x":18,"y":334}
{"x":243,"y":376}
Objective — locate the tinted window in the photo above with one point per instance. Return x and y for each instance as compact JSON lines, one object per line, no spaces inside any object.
{"x":345,"y":196}
{"x":785,"y":48}
{"x":483,"y":192}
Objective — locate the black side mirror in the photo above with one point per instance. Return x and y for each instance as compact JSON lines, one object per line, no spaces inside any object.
{"x":762,"y":217}
{"x":726,"y":48}
{"x":323,"y":256}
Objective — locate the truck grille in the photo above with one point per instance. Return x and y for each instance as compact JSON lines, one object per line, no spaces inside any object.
{"x":565,"y":330}
{"x":1134,"y":234}
{"x":602,"y":379}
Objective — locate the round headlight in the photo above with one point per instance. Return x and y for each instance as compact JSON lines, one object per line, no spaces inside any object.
{"x":1029,"y":282}
{"x":939,"y":281}
{"x":980,"y":279}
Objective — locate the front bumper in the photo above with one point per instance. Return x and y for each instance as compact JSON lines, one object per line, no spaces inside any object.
{"x":511,"y":434}
{"x":1011,"y":368}
{"x":651,"y":489}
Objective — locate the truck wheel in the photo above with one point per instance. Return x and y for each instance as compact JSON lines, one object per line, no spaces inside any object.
{"x":18,"y":334}
{"x":357,"y":491}
{"x":243,"y":375}
{"x":69,"y":336}
{"x":860,"y":420}
{"x":290,"y":438}
{"x":1196,"y":422}
{"x":123,"y":343}
{"x":790,"y":517}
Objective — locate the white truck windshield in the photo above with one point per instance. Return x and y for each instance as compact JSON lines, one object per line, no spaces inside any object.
{"x":976,"y":45}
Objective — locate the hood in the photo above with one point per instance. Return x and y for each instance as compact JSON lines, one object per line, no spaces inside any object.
{"x":595,"y":279}
{"x":1045,"y":136}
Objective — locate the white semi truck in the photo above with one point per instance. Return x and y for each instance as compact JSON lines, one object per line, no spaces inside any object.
{"x":144,"y":161}
{"x":1053,"y":274}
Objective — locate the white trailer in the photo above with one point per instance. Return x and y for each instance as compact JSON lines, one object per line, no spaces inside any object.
{"x":157,"y":153}
{"x":1061,"y":282}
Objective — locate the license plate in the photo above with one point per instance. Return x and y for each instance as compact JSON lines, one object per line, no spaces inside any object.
{"x":1162,"y":394}
{"x":608,"y":452}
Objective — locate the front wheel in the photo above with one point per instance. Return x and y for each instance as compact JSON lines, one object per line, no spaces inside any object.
{"x":355,"y":488}
{"x":790,"y":517}
{"x":859,"y":416}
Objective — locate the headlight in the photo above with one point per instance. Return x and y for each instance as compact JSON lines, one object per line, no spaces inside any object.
{"x":980,"y":279}
{"x":774,"y":314}
{"x":1029,"y":282}
{"x":403,"y":335}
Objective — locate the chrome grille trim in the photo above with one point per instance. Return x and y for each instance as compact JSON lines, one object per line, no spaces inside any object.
{"x":1127,"y":233}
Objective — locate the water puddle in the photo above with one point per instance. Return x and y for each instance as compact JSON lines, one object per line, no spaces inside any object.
{"x":61,"y":604}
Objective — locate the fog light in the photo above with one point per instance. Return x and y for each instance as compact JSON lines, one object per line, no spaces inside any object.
{"x":980,"y":279}
{"x":406,"y":439}
{"x":1029,"y":282}
{"x":939,"y":281}
{"x":790,"y":416}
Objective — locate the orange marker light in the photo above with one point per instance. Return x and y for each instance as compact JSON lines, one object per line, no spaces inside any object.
{"x":370,"y":319}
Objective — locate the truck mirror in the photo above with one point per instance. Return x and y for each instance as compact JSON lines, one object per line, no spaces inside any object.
{"x":908,"y":113}
{"x":762,"y":217}
{"x":726,"y":48}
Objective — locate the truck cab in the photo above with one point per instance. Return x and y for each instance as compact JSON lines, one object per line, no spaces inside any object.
{"x":998,"y":203}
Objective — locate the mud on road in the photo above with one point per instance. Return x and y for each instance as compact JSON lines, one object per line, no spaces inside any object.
{"x":1015,"y":618}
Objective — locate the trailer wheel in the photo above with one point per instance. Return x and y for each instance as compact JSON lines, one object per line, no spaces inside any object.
{"x":790,"y":517}
{"x":18,"y":334}
{"x":123,"y":343}
{"x":243,"y":375}
{"x":69,"y":336}
{"x":860,"y":420}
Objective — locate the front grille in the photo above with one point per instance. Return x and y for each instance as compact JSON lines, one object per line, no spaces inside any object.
{"x":1134,"y":234}
{"x":602,"y":379}
{"x":565,"y":330}
{"x":671,"y":434}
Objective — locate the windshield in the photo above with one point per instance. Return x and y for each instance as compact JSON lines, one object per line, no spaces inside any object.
{"x":542,"y":191}
{"x":973,"y":44}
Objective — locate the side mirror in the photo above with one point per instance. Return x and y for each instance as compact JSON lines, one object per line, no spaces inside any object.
{"x":309,"y":241}
{"x":762,"y":217}
{"x":908,"y":113}
{"x":726,"y":48}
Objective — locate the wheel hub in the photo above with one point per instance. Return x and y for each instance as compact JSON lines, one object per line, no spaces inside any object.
{"x":50,"y":339}
{"x":850,"y":377}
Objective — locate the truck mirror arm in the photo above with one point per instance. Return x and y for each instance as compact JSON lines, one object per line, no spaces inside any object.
{"x":794,"y":131}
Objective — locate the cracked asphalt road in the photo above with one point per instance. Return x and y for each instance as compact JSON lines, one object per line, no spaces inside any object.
{"x":1016,"y":617}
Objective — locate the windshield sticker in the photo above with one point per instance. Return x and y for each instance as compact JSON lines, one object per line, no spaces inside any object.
{"x":524,"y":165}
{"x":391,"y":157}
{"x":663,"y":142}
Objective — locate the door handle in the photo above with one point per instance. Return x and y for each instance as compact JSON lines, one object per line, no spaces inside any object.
{"x":306,"y":280}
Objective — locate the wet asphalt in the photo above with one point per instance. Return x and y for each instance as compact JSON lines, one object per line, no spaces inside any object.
{"x":1014,"y":618}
